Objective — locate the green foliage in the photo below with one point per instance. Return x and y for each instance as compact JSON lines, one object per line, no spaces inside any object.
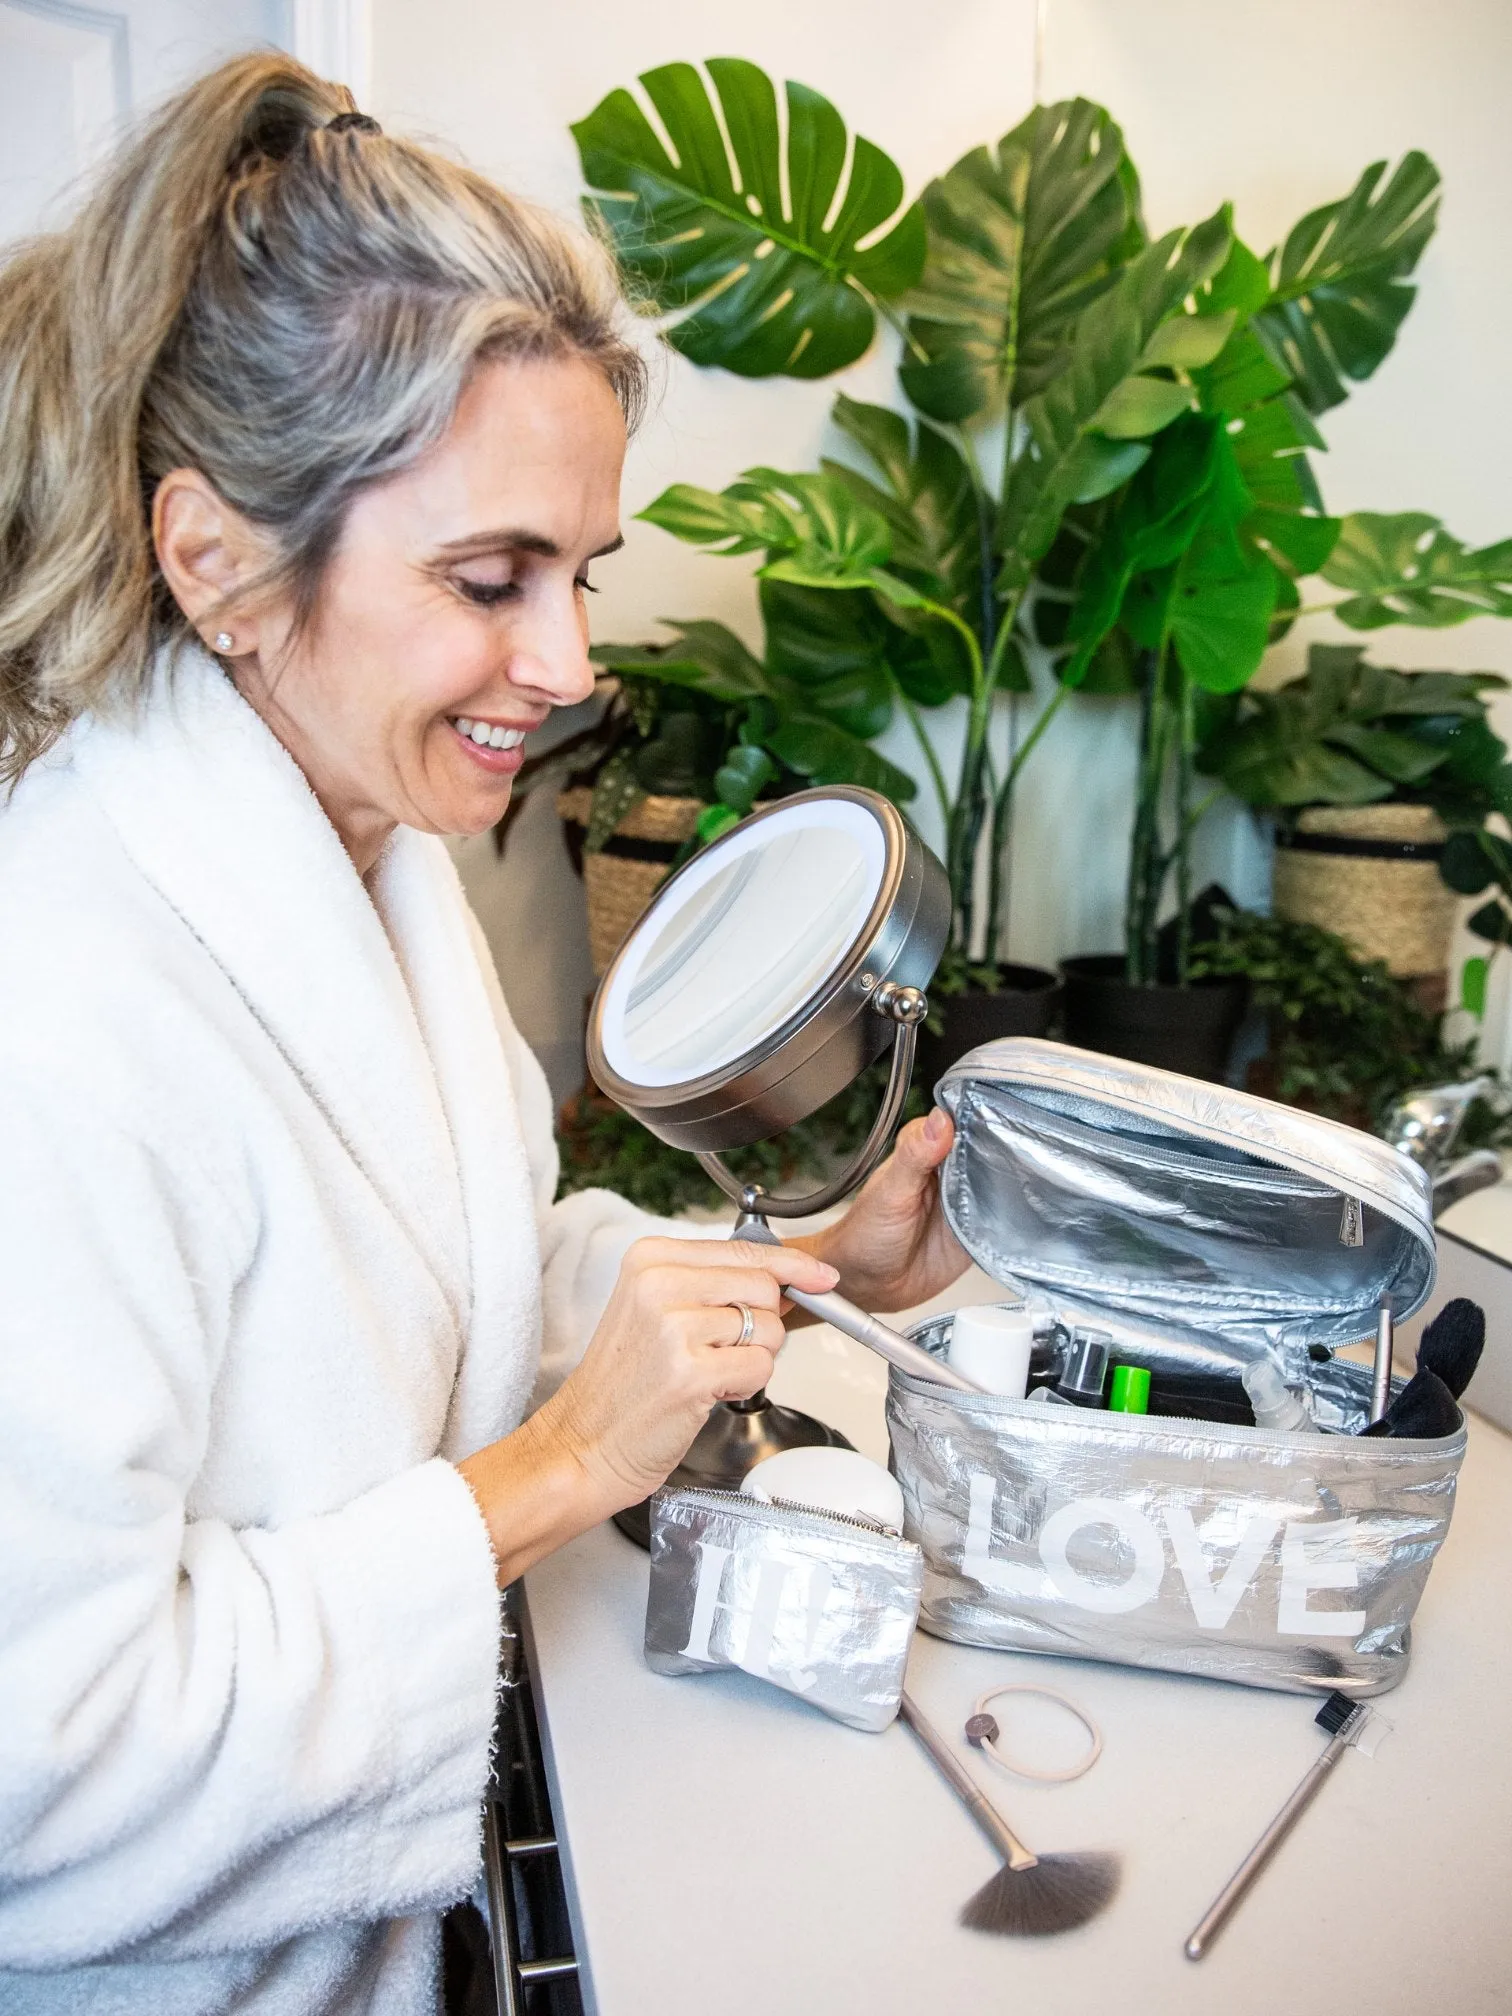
{"x":1157,"y":508}
{"x":1346,"y":1038}
{"x":1407,"y":569}
{"x":1022,"y":237}
{"x":1349,"y":733}
{"x":765,"y":260}
{"x":1340,"y":286}
{"x":1086,"y":432}
{"x":604,"y":1149}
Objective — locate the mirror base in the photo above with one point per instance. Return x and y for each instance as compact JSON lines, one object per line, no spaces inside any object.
{"x":732,"y":1441}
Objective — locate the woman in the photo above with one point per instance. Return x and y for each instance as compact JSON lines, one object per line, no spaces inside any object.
{"x":310,"y":441}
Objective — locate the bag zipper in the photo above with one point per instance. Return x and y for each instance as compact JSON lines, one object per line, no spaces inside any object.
{"x":806,"y":1518}
{"x":1171,"y":1424}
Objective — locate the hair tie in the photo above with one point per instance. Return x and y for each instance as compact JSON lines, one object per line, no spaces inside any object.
{"x":352,"y":122}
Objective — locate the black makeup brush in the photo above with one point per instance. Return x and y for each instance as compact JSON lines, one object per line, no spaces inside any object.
{"x":1031,"y":1895}
{"x":1452,"y":1344}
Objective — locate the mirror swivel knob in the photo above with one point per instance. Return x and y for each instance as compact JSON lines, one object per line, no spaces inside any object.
{"x":908,"y":1005}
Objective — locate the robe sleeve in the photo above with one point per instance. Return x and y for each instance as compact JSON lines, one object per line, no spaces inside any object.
{"x":211,"y":1738}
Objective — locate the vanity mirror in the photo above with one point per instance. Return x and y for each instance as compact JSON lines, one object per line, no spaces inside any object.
{"x":766,"y":975}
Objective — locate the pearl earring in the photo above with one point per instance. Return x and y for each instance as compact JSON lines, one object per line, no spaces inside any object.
{"x":224,"y":640}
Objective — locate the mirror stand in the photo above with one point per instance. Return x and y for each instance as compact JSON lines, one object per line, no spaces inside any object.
{"x":739,"y":1434}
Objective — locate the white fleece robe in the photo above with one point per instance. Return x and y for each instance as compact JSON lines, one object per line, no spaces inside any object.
{"x":276,"y":1232}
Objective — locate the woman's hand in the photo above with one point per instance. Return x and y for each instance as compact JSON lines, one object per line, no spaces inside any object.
{"x":664,"y":1353}
{"x":893,"y":1248}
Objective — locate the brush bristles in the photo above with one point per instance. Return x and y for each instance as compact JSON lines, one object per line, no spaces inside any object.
{"x":1059,"y":1893}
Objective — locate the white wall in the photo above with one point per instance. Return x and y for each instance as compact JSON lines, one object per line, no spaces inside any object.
{"x":1277,"y":105}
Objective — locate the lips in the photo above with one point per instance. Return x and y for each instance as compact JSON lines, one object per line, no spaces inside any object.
{"x":491,"y":745}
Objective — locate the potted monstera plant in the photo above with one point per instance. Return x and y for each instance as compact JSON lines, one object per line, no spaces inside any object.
{"x":1028,"y":298}
{"x":1152,"y":511}
{"x":1382,"y":785}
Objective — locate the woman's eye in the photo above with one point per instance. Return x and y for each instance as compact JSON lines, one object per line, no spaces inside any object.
{"x":486,"y":594}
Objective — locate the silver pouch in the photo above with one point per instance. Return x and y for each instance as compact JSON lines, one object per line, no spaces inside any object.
{"x":1199,"y":1227}
{"x":821,"y":1606}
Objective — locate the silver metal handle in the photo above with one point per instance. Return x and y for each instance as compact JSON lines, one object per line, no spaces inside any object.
{"x":1243,"y":1879}
{"x":1380,"y":1382}
{"x":986,"y":1815}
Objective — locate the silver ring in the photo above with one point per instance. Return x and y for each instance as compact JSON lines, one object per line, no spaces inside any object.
{"x":747,"y":1323}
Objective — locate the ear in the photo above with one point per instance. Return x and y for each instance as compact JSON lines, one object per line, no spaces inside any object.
{"x":208,"y":554}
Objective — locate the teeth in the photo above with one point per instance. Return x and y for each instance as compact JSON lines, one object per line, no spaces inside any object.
{"x":487,"y":736}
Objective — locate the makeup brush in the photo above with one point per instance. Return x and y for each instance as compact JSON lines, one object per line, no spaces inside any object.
{"x":1031,"y":1895}
{"x":1343,"y":1720}
{"x":1380,"y":1380}
{"x":1452,"y":1344}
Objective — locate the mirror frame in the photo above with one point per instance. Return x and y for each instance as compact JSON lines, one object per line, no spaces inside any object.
{"x":826,"y":1044}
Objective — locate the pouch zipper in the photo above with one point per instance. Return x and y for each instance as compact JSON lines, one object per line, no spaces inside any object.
{"x":806,"y":1518}
{"x":1172,"y":1424}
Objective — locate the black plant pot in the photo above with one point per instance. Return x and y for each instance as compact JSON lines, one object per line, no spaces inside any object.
{"x":1188,"y":1029}
{"x":1026,"y":1006}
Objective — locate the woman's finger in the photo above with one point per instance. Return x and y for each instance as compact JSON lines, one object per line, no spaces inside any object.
{"x":743,"y":1370}
{"x":789,"y":1265}
{"x":725,"y":1327}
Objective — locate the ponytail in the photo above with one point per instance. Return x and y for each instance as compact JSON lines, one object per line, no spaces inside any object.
{"x":289,"y":306}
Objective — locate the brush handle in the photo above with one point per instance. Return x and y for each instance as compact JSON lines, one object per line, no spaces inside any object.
{"x":1243,"y":1879}
{"x":888,"y":1344}
{"x":1380,"y":1383}
{"x":987,"y":1817}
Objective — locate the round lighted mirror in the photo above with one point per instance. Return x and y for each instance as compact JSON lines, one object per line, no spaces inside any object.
{"x":746,"y":995}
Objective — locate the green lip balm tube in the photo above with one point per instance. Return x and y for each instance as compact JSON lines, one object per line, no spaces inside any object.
{"x":1129,"y":1392}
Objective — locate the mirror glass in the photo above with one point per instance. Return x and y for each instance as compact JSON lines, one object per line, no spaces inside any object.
{"x":748,"y":934}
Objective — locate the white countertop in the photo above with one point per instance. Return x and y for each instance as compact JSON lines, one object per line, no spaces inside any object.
{"x":731,"y":1852}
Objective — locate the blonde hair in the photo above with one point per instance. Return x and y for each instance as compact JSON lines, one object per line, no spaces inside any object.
{"x":289,"y":307}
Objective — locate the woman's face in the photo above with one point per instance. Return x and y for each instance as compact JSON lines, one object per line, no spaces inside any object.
{"x":451,"y":618}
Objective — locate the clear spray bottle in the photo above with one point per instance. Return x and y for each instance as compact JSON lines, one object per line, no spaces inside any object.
{"x":1274,"y":1403}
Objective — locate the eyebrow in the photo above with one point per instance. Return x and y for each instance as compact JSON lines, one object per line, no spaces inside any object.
{"x":516,"y":540}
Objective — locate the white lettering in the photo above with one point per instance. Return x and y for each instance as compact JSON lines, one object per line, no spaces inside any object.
{"x":1110,"y":1598}
{"x":1213,"y":1607}
{"x":711,"y":1567}
{"x":1002,"y":1578}
{"x":1302,"y":1571}
{"x":754,"y":1654}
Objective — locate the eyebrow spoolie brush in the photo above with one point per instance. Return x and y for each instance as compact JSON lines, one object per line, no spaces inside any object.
{"x":1343,"y":1719}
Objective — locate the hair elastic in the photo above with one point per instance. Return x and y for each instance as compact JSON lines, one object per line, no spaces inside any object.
{"x":982,"y":1731}
{"x":352,"y":122}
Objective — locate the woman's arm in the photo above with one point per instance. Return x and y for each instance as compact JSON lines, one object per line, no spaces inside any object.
{"x":665,"y":1351}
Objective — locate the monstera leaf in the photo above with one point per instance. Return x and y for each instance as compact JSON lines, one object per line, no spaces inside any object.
{"x":1021,"y":237}
{"x":1269,"y":429}
{"x":1088,"y":430}
{"x":1171,"y":565}
{"x":813,"y":716}
{"x":1340,"y":284}
{"x":1405,"y":568}
{"x":1348,"y":733}
{"x":758,"y":242}
{"x":813,"y":527}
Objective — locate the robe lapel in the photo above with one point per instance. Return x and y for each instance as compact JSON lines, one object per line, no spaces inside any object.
{"x":419,"y":896}
{"x":220,"y":820}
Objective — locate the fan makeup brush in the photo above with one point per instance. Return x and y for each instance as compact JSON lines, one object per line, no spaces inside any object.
{"x":1032,"y":1895}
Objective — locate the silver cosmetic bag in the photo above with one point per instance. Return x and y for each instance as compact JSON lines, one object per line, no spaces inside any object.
{"x":1198,"y":1227}
{"x":819,"y":1605}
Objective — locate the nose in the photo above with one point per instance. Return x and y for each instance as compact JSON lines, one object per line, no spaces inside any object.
{"x":549,"y":655}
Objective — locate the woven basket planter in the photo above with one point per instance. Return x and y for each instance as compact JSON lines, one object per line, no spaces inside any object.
{"x":622,"y":878}
{"x":1370,"y":873}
